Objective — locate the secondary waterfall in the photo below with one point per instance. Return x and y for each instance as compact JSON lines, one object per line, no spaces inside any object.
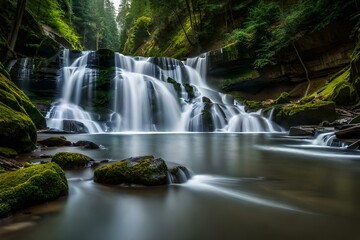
{"x":139,"y":94}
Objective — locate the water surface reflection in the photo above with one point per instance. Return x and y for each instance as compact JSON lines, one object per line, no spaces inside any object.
{"x":246,"y":186}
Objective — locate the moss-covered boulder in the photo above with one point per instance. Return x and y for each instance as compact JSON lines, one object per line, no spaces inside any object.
{"x":7,"y":152}
{"x":67,"y":160}
{"x":54,"y":142}
{"x":304,"y":114}
{"x":144,"y":170}
{"x":29,"y":186}
{"x":14,"y":98}
{"x":17,"y":131}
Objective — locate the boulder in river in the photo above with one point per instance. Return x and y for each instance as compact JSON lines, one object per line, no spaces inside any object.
{"x":54,"y":142}
{"x":86,"y":144}
{"x":143,"y":170}
{"x":67,"y":160}
{"x":29,"y":186}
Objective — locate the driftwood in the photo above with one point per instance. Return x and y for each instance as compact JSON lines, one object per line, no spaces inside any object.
{"x":349,"y":133}
{"x":354,"y":145}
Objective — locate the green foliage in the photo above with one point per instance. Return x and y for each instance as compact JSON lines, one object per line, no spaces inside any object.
{"x":29,"y":186}
{"x":56,"y":14}
{"x":137,"y":33}
{"x":95,"y":22}
{"x":67,"y":160}
{"x":269,"y":27}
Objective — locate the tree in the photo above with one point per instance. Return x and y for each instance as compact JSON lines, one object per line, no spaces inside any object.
{"x":20,"y":9}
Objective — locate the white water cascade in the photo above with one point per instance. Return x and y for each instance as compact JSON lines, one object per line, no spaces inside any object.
{"x":150,"y":95}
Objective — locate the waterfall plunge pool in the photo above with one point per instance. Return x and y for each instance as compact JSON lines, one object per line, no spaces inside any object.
{"x":245,"y":186}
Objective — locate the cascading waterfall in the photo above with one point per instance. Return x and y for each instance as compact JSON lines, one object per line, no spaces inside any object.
{"x":73,"y":78}
{"x":149,"y":95}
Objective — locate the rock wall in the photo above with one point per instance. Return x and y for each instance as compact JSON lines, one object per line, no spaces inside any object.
{"x":19,"y":118}
{"x":324,"y":53}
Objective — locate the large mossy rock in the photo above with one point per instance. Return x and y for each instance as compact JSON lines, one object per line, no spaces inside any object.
{"x":29,"y":186}
{"x":17,"y":117}
{"x":67,"y":160}
{"x":306,"y":114}
{"x":17,"y":131}
{"x":144,"y":170}
{"x":14,"y":98}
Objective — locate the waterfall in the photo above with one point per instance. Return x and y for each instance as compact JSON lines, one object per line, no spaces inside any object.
{"x":328,"y":139}
{"x":73,"y":78}
{"x":151,"y":94}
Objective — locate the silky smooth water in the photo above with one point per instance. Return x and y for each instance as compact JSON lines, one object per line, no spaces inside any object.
{"x":245,"y":186}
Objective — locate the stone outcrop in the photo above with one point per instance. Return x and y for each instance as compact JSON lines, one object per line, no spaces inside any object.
{"x":324,"y":53}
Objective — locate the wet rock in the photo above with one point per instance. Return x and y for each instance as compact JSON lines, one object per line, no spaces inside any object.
{"x":302,"y":131}
{"x":143,"y":170}
{"x":179,"y":174}
{"x":307,"y":114}
{"x":54,"y":142}
{"x":86,"y":144}
{"x":74,"y":126}
{"x":30,"y":186}
{"x":67,"y":160}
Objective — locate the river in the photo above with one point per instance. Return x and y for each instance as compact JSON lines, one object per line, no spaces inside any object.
{"x":244,"y":186}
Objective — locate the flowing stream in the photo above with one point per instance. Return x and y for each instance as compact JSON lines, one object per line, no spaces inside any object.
{"x":148,"y":95}
{"x":244,"y":186}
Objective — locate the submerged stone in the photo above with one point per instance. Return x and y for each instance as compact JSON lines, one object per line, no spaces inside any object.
{"x":143,"y":170}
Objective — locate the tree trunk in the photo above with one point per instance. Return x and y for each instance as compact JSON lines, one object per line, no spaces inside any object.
{"x":305,"y":69}
{"x":189,"y":11}
{"x":182,"y":26}
{"x":20,"y":9}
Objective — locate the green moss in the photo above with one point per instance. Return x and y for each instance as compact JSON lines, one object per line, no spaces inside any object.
{"x":283,"y":98}
{"x":67,"y":160}
{"x":304,"y":114}
{"x":7,"y":152}
{"x":339,"y":89}
{"x":29,"y":186}
{"x":142,"y":170}
{"x":253,"y":105}
{"x":16,"y":99}
{"x":17,"y":131}
{"x":55,"y":142}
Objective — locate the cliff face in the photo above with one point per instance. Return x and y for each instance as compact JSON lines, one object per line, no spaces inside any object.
{"x":323,"y":53}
